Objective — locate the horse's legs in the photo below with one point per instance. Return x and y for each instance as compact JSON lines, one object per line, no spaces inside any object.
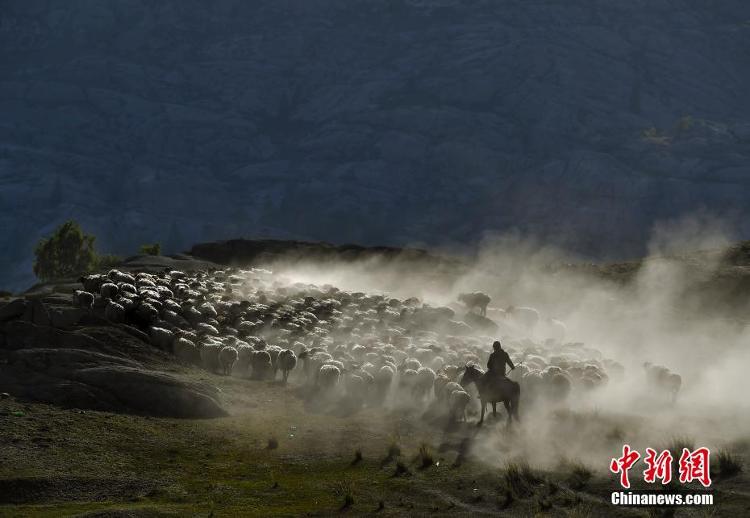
{"x":481,"y":418}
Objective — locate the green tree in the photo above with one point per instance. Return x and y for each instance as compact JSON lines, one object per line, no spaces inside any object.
{"x":66,"y":253}
{"x":153,"y":249}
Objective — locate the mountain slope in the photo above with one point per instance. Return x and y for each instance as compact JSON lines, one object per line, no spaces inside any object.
{"x":370,"y":121}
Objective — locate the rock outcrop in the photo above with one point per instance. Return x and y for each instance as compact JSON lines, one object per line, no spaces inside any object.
{"x":62,"y":355}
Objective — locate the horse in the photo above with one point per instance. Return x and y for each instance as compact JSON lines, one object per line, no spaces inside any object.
{"x":493,"y":389}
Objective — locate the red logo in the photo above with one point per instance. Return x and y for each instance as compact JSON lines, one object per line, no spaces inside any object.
{"x":693,"y":465}
{"x":658,"y":467}
{"x":623,"y":464}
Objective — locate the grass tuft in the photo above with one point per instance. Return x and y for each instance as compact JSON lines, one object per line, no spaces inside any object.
{"x":344,"y":491}
{"x":520,"y":479}
{"x":401,"y":469}
{"x":579,"y":475}
{"x":394,"y":450}
{"x":273,"y":443}
{"x":425,"y":456}
{"x":357,"y":456}
{"x":729,"y":464}
{"x":582,"y":510}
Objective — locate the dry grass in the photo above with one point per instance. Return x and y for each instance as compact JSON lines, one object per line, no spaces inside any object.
{"x":729,"y":465}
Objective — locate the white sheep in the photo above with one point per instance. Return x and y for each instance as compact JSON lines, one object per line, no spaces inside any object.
{"x":424,"y":382}
{"x":459,"y":399}
{"x":227,"y":356}
{"x":83,"y":299}
{"x":328,"y":377}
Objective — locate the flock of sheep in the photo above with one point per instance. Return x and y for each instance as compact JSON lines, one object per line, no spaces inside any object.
{"x":353,"y":347}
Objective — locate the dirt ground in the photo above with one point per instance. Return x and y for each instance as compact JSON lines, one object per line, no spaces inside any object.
{"x":282,"y":454}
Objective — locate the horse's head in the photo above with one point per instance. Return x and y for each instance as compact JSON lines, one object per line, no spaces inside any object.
{"x":470,"y":374}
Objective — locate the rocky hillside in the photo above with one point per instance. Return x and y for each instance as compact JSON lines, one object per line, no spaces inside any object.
{"x":369,"y":121}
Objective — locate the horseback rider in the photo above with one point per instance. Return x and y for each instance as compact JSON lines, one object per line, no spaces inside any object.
{"x":498,"y":360}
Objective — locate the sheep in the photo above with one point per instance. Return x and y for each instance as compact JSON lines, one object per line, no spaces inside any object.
{"x":663,"y":379}
{"x":186,"y":351}
{"x":146,"y":314}
{"x":458,"y":400}
{"x":410,"y":364}
{"x":206,"y":329}
{"x":424,"y":382}
{"x":449,"y":388}
{"x":523,"y":316}
{"x":244,"y":356}
{"x":260,"y":362}
{"x":114,"y":312}
{"x":118,"y":276}
{"x":287,"y":361}
{"x":92,"y":283}
{"x":273,"y":352}
{"x":328,"y":377}
{"x":227,"y":356}
{"x":439,"y":384}
{"x":125,"y":287}
{"x":475,"y":300}
{"x":161,"y":338}
{"x":109,"y":290}
{"x":83,"y":299}
{"x":207,"y":310}
{"x":210,"y":356}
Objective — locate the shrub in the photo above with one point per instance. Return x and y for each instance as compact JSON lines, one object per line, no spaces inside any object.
{"x":152,"y":249}
{"x":273,"y":443}
{"x":685,"y":123}
{"x":107,"y":261}
{"x":66,"y":253}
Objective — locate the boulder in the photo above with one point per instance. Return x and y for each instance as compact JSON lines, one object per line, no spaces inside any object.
{"x":77,"y":378}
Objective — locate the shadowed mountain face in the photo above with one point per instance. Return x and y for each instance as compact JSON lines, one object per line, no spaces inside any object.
{"x":386,"y":122}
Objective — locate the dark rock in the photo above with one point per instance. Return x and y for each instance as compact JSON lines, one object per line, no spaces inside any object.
{"x":87,"y":379}
{"x":152,"y":392}
{"x":13,"y":309}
